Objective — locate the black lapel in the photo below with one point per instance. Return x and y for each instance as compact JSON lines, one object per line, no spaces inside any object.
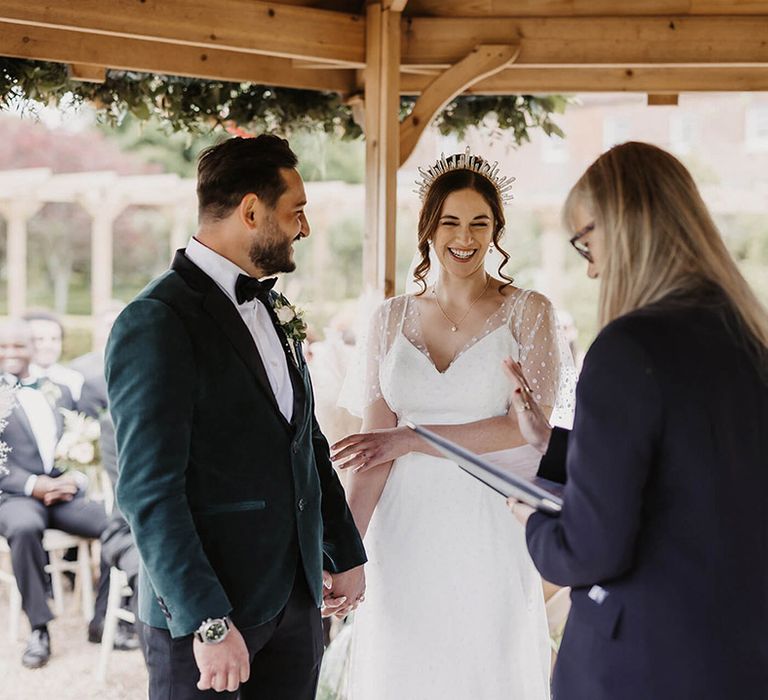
{"x":223,"y":311}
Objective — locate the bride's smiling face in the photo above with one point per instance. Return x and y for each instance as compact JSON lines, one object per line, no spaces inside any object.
{"x":464,"y":232}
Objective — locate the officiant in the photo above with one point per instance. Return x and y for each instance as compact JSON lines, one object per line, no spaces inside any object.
{"x":662,"y":534}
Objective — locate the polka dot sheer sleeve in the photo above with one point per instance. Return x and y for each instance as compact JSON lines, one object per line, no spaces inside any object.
{"x":362,"y":385}
{"x":544,"y":355}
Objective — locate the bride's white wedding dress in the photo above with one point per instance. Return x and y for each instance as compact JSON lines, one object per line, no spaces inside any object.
{"x":454,"y":608}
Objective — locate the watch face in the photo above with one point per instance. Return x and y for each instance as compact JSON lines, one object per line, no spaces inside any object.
{"x":215,"y":632}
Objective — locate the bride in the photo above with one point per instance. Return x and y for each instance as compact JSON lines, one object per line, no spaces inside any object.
{"x":454,"y":607}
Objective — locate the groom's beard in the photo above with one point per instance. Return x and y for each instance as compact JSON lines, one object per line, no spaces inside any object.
{"x":271,"y":251}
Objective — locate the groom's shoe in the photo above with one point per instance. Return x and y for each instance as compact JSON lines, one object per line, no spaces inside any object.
{"x":38,"y":649}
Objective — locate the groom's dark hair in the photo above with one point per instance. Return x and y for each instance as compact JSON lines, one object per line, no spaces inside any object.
{"x":236,"y":167}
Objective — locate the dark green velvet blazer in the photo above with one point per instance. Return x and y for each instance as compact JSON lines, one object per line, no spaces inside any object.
{"x":227,"y":500}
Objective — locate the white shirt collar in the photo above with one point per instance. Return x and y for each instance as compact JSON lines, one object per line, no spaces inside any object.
{"x":222,"y":271}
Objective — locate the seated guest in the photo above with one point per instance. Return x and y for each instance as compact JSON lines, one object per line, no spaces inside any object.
{"x":35,"y":495}
{"x":663,"y":529}
{"x":47,"y":340}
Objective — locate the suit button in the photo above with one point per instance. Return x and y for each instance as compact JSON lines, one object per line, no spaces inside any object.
{"x":302,"y":504}
{"x":295,"y":448}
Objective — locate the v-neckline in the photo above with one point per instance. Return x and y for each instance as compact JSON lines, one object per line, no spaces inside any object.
{"x":456,"y":357}
{"x":464,"y":349}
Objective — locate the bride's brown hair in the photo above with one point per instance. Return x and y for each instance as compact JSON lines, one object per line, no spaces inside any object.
{"x":429,"y":217}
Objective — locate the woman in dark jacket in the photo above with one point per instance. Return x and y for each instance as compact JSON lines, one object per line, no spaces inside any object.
{"x":663,"y":535}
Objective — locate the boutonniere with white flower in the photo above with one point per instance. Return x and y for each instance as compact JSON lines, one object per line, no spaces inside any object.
{"x":290,"y":318}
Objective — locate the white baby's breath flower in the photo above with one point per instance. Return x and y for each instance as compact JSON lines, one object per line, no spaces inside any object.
{"x":285,"y":314}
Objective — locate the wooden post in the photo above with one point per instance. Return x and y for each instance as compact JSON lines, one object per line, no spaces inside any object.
{"x":382,"y":132}
{"x":16,"y":214}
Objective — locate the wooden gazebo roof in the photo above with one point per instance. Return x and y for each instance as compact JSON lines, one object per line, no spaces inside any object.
{"x":373,"y":52}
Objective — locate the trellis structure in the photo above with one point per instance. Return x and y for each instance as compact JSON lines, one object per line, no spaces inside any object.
{"x":372,"y":52}
{"x":104,"y":196}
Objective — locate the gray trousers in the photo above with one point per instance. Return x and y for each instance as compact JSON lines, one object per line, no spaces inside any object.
{"x":23,"y":520}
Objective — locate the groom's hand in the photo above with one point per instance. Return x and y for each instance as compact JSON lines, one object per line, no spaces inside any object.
{"x":346,"y":592}
{"x":223,"y":666}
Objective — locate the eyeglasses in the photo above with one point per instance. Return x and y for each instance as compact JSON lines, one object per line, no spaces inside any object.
{"x":582,"y":249}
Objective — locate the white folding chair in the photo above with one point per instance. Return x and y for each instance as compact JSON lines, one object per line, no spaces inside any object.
{"x":14,"y":597}
{"x":118,"y":589}
{"x":56,"y":543}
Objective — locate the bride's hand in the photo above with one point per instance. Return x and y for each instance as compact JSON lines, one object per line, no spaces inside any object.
{"x":364,"y":451}
{"x":534,"y":426}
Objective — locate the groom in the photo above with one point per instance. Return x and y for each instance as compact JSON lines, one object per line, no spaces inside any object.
{"x":225,"y":477}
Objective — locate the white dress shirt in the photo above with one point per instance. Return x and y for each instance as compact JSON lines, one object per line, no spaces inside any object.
{"x":43,"y":423}
{"x":256,"y":318}
{"x":59,"y":374}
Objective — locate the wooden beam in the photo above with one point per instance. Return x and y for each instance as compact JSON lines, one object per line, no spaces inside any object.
{"x":87,"y":73}
{"x":382,"y":106}
{"x":252,"y":27}
{"x":516,"y":80}
{"x":395,"y":5}
{"x":655,"y":100}
{"x":596,"y":41}
{"x":583,"y":8}
{"x":65,"y":46}
{"x":482,"y":62}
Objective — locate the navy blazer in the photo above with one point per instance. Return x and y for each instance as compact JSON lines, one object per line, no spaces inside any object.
{"x":664,"y":530}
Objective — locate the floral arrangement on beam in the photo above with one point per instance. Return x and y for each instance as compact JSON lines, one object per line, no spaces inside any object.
{"x":201,"y":106}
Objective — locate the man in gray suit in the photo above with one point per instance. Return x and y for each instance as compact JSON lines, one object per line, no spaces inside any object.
{"x":35,"y":495}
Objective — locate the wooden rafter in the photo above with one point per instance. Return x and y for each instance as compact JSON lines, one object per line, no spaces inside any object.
{"x":583,"y":8}
{"x":87,"y":73}
{"x":518,"y":79}
{"x":482,"y":61}
{"x":250,"y":27}
{"x":66,"y":46}
{"x":593,"y":41}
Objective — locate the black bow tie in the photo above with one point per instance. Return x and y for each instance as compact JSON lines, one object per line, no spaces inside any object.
{"x":248,"y":288}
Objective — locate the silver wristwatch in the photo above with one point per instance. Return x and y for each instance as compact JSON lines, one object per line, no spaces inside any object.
{"x":213,"y":630}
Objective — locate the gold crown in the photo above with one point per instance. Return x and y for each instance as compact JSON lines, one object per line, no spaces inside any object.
{"x":465,"y":161}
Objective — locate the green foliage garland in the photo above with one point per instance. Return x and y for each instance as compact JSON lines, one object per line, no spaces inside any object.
{"x":199,"y":106}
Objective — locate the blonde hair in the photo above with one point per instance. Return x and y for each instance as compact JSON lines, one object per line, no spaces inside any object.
{"x":659,"y":238}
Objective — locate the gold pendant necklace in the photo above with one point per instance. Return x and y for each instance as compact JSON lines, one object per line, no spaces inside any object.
{"x":455,"y":324}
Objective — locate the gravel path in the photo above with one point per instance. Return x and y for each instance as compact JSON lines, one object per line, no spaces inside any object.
{"x":71,"y":672}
